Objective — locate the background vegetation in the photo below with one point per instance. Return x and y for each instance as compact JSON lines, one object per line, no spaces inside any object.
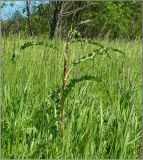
{"x":91,"y":19}
{"x":95,"y":125}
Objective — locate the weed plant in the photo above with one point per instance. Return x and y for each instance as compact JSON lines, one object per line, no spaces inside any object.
{"x":101,"y":120}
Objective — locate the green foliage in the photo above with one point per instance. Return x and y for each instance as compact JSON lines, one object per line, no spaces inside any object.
{"x":78,"y":79}
{"x":96,"y":19}
{"x":84,"y":41}
{"x":34,"y":43}
{"x":55,"y":95}
{"x":91,"y":55}
{"x":94,"y":128}
{"x":100,"y":51}
{"x":115,"y":19}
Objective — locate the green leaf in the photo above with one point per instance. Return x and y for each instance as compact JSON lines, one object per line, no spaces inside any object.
{"x":90,"y":55}
{"x":78,"y":79}
{"x":97,"y":44}
{"x":86,"y":77}
{"x":29,"y":44}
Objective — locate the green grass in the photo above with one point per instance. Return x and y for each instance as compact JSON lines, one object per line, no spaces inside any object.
{"x":93,"y":127}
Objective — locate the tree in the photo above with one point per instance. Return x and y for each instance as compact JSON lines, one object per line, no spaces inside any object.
{"x":28,"y":17}
{"x":91,"y":19}
{"x":54,"y":18}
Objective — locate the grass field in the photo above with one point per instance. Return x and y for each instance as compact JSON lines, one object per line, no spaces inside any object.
{"x":93,"y":127}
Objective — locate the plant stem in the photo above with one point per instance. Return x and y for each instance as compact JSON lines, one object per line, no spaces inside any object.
{"x":65,"y":70}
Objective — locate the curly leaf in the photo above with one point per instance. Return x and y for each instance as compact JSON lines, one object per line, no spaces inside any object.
{"x":81,"y":78}
{"x":91,"y":55}
{"x":29,"y":44}
{"x":97,"y":44}
{"x":85,"y":77}
{"x":56,"y":97}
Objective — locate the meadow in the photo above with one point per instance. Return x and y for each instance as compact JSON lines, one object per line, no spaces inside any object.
{"x":93,"y":126}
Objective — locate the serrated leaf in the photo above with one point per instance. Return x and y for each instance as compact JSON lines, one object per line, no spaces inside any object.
{"x":29,"y":44}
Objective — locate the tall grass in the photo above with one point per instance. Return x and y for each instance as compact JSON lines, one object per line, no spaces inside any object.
{"x":93,"y":127}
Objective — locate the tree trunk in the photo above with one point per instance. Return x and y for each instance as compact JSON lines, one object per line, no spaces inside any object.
{"x":53,"y":23}
{"x":28,"y":17}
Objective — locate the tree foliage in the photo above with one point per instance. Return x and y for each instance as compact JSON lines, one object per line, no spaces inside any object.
{"x":91,"y":19}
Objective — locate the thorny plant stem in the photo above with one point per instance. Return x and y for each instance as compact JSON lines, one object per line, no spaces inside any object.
{"x":65,"y":70}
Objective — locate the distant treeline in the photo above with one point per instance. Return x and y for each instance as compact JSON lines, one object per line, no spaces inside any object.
{"x":90,"y":19}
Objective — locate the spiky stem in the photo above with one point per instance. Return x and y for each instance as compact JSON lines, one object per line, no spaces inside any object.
{"x":63,"y":87}
{"x":65,"y":71}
